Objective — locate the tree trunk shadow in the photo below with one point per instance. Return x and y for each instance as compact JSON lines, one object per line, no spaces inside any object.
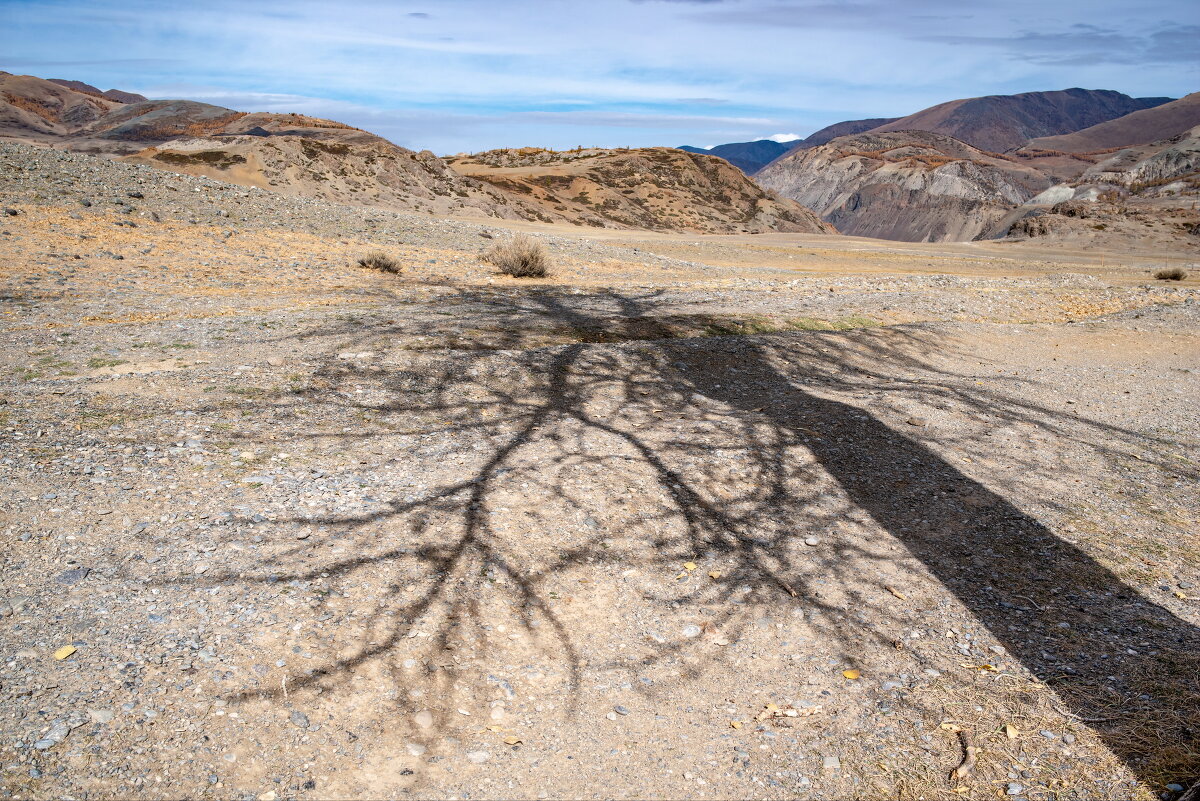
{"x":1126,"y":666}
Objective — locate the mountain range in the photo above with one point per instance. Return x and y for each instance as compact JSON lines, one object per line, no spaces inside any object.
{"x":934,"y":175}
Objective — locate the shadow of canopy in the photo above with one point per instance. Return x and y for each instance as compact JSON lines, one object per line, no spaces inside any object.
{"x":738,"y":445}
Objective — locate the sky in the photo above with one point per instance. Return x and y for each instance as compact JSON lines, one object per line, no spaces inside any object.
{"x":468,"y":75}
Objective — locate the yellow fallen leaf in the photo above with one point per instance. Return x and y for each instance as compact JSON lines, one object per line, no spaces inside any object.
{"x":689,"y":566}
{"x":735,"y":724}
{"x":510,"y":740}
{"x":897,"y":593}
{"x":714,"y":574}
{"x":64,"y":652}
{"x":1181,"y":596}
{"x":852,"y":674}
{"x":992,"y":668}
{"x":495,"y":728}
{"x":1011,"y":731}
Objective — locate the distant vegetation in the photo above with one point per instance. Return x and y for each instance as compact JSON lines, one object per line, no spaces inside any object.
{"x":1171,"y":274}
{"x":380,"y":261}
{"x":521,"y":257}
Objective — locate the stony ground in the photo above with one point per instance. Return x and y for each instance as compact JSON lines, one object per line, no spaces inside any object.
{"x":693,"y":518}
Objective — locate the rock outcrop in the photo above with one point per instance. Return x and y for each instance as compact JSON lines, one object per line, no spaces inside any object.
{"x":907,"y":185}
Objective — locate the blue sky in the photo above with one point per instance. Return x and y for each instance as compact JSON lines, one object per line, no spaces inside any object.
{"x":468,"y":75}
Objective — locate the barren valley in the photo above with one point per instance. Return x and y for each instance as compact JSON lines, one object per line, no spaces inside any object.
{"x":787,"y":515}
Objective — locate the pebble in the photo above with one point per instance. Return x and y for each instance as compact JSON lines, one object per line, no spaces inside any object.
{"x":691,"y":631}
{"x":831,"y":763}
{"x":812,"y":541}
{"x":1014,"y":788}
{"x":423,"y":719}
{"x":620,"y":710}
{"x":478,"y":757}
{"x":298,"y":718}
{"x":415,"y":749}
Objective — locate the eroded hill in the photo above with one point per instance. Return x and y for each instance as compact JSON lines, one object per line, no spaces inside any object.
{"x":909,"y":185}
{"x":652,"y":188}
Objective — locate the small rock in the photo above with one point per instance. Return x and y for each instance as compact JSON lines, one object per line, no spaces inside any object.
{"x":11,"y":212}
{"x":812,"y":541}
{"x":100,"y":715}
{"x":919,"y":422}
{"x":831,"y":763}
{"x":478,"y":757}
{"x":298,"y":718}
{"x":415,"y":749}
{"x":620,"y":710}
{"x":275,"y":361}
{"x":423,"y":719}
{"x":1049,"y":735}
{"x":691,"y":631}
{"x":497,"y":713}
{"x":73,"y":576}
{"x":1014,"y":788}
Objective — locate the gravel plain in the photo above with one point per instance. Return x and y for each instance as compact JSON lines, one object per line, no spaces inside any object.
{"x":665,"y":524}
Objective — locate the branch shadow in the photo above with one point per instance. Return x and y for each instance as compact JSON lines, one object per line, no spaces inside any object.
{"x":734,"y":446}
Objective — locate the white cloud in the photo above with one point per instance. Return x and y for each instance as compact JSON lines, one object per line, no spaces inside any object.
{"x":784,"y":137}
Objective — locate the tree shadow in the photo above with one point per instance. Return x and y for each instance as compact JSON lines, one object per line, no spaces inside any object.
{"x":733,"y":448}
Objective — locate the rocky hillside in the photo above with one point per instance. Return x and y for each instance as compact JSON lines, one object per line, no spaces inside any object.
{"x":653,"y":188}
{"x":308,"y":157}
{"x":911,"y":185}
{"x":846,"y":128}
{"x":34,"y":109}
{"x":1004,"y":122}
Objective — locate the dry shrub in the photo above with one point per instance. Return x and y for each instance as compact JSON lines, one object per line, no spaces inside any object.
{"x":1171,"y":274}
{"x":521,"y":257}
{"x":380,"y":261}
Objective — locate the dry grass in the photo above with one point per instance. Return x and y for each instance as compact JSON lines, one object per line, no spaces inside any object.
{"x":379,"y":260}
{"x":521,"y":257}
{"x":1171,"y":274}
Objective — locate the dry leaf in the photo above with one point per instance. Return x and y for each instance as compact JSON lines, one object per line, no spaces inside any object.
{"x":720,"y":641}
{"x":64,"y":652}
{"x":714,"y":574}
{"x":852,"y":674}
{"x":689,"y":566}
{"x":708,"y":627}
{"x":978,"y":667}
{"x":897,"y":593}
{"x":735,"y":724}
{"x":949,"y":725}
{"x":495,"y":728}
{"x":1011,"y":731}
{"x":510,"y":740}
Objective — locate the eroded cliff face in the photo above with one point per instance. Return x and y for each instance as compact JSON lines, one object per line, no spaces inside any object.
{"x":913,"y":186}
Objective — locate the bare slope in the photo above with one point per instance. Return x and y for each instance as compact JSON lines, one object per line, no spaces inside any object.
{"x":1004,"y":122}
{"x":39,"y":110}
{"x":653,"y":188}
{"x":912,"y":185}
{"x":343,"y":165}
{"x":1139,"y":127}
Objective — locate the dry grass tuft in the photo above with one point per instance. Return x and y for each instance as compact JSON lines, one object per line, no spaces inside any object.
{"x":380,"y":261}
{"x":521,"y":257}
{"x":1171,"y":274}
